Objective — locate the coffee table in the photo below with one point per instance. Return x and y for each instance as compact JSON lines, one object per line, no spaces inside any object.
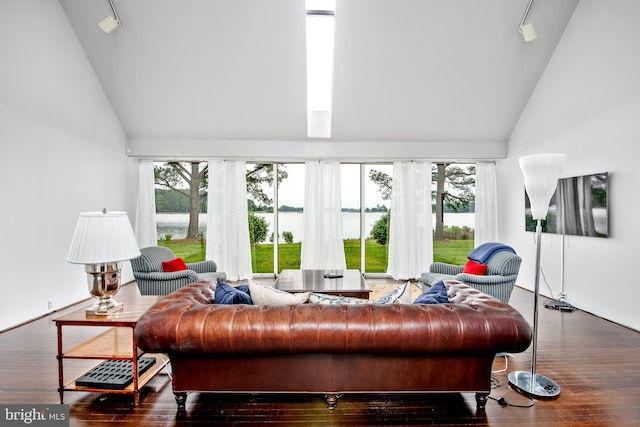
{"x":351,"y":284}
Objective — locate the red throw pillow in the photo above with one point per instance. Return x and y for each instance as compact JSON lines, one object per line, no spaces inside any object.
{"x":174,"y":265}
{"x":473,"y":267}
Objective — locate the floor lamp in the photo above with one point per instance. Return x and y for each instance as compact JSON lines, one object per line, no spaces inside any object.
{"x":541,"y":172}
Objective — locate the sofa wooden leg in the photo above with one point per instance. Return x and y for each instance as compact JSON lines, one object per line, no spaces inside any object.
{"x":481,"y":401}
{"x":332,"y":400}
{"x":181,"y":400}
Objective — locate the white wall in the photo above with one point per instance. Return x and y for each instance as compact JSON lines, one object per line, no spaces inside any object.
{"x":586,"y":105}
{"x":63,"y":152}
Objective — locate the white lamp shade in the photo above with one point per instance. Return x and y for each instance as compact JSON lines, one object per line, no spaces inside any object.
{"x":541,"y":173}
{"x":103,"y":237}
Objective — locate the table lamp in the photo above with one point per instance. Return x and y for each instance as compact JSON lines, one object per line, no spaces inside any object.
{"x":541,"y":172}
{"x":102,"y":240}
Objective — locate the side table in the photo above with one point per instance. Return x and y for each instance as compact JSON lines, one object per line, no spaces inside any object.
{"x":116,"y":343}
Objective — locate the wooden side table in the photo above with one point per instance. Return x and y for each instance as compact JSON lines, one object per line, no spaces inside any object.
{"x":116,"y":343}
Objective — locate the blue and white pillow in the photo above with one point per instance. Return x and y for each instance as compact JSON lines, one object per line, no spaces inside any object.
{"x":399,"y":295}
{"x":315,"y":298}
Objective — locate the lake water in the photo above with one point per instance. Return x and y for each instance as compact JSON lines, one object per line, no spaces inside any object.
{"x":176,"y":224}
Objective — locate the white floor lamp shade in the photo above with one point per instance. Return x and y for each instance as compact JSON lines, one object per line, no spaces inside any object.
{"x":541,"y":173}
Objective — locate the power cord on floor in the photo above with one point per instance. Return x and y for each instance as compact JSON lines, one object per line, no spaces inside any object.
{"x":506,"y":362}
{"x":544,"y":279}
{"x":497,"y":383}
{"x":503,"y":402}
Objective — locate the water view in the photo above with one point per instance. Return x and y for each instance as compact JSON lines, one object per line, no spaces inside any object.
{"x":175,"y":224}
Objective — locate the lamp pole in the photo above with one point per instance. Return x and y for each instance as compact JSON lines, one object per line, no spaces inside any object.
{"x":536,"y":292}
{"x":531,"y":383}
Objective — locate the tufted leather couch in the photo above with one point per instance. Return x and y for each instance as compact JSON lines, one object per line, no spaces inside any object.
{"x":331,"y":350}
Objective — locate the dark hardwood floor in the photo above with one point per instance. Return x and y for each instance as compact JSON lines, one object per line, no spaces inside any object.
{"x":595,"y":362}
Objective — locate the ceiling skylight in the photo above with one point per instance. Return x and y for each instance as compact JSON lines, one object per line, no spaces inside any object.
{"x":320,"y":43}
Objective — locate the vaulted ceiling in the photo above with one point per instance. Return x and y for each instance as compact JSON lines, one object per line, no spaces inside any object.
{"x":405,"y":70}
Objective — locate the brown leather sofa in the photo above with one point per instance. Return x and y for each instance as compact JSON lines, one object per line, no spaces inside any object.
{"x":331,"y":350}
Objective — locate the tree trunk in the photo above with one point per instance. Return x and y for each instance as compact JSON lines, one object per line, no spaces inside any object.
{"x":440,"y":178}
{"x":194,"y":201}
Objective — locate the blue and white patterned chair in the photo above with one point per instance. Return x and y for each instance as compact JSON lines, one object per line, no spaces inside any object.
{"x":503,"y":266}
{"x":153,"y":280}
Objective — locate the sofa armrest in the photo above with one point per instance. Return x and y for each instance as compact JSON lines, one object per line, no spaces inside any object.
{"x":207,"y":266}
{"x":444,"y":268}
{"x":161,"y":275}
{"x":493,"y":279}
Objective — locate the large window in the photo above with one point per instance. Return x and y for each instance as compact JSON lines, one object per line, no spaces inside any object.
{"x":260,"y":204}
{"x":363,"y":250}
{"x":377,"y":199}
{"x":276,"y":233}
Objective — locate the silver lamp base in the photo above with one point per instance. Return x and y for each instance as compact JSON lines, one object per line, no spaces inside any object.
{"x":104,"y":282}
{"x":541,"y":387}
{"x":105,"y":306}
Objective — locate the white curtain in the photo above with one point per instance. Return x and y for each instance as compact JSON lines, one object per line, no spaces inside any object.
{"x":486,"y":215}
{"x":146,"y":232}
{"x":228,"y":241}
{"x":411,"y":222}
{"x":322,"y":243}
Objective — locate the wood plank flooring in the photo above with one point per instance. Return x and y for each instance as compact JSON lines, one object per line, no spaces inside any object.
{"x":595,"y":362}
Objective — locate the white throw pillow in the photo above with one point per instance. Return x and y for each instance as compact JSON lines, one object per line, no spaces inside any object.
{"x":266,"y":295}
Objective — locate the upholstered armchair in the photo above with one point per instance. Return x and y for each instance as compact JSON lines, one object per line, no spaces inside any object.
{"x":502,"y":267}
{"x":152,"y":279}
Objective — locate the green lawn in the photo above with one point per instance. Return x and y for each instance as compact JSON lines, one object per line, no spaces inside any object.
{"x":450,"y":251}
{"x":188,"y":250}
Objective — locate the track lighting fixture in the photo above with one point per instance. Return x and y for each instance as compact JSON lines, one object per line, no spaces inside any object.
{"x":527,"y":30}
{"x":110,"y":22}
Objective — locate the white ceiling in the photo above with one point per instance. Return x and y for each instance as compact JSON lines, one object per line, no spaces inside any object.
{"x":405,"y":70}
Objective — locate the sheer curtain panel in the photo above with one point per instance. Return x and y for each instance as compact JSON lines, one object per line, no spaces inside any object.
{"x":146,"y":232}
{"x":322,"y":243}
{"x":227,"y":219}
{"x":411,"y":222}
{"x":486,"y":216}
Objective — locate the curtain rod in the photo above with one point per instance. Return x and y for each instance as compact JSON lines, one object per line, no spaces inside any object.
{"x":301,"y":161}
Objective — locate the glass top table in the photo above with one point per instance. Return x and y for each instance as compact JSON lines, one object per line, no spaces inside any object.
{"x":349,"y":283}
